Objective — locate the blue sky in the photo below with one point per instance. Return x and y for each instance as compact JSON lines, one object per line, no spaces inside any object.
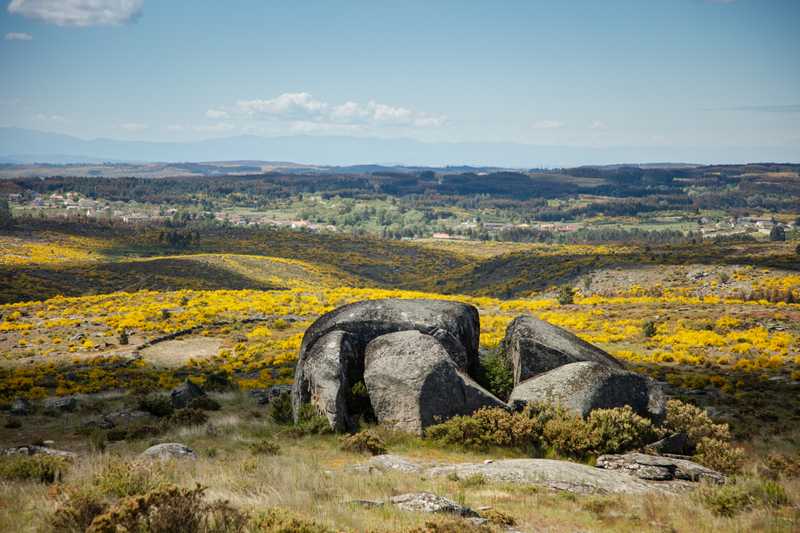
{"x":568,"y":72}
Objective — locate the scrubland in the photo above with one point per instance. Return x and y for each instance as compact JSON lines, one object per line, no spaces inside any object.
{"x":720,"y":326}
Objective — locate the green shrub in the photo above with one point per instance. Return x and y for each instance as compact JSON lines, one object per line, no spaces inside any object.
{"x":719,"y":455}
{"x":121,"y":478}
{"x":310,"y":422}
{"x":498,"y":517}
{"x":496,"y":376}
{"x":724,"y":500}
{"x":783,"y":465}
{"x":484,"y":428}
{"x":170,"y":508}
{"x":540,"y":427}
{"x":157,"y":405}
{"x":279,"y":409}
{"x":264,"y":447}
{"x":76,"y":511}
{"x":695,"y":422}
{"x":204,"y":403}
{"x":42,"y":468}
{"x":566,"y":295}
{"x":649,"y":329}
{"x":278,"y":520}
{"x":618,"y":430}
{"x":568,"y":436}
{"x":733,"y":498}
{"x":364,"y":442}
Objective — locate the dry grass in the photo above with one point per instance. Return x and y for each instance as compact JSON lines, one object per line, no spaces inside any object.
{"x":309,"y":478}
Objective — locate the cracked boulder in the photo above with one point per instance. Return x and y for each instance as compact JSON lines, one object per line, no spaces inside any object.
{"x":534,"y":346}
{"x":327,"y":375}
{"x":454,"y":325}
{"x":413,"y":382}
{"x":584,"y":386}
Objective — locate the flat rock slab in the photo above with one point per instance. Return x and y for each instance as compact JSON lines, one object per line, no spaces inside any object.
{"x":387,"y":463}
{"x":169,"y":450}
{"x":559,"y":475}
{"x":427,"y":502}
{"x":38,"y":450}
{"x":656,"y":467}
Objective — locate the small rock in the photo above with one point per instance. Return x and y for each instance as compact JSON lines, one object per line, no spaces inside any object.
{"x":169,"y":450}
{"x":183,"y":395}
{"x":65,"y":403}
{"x":477,"y":520}
{"x":488,"y":461}
{"x":677,"y":443}
{"x":427,"y":502}
{"x":21,"y":407}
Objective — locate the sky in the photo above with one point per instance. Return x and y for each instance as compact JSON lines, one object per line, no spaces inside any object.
{"x":595,"y":73}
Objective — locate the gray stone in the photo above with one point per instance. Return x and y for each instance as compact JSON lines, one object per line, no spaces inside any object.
{"x":182,"y":395}
{"x":21,"y":407}
{"x":454,"y":324}
{"x":656,"y":467}
{"x":676,"y":444}
{"x":33,"y":449}
{"x":413,"y":383}
{"x":65,"y":403}
{"x":559,"y":475}
{"x":169,"y":450}
{"x":387,"y":463}
{"x":427,"y":502}
{"x":582,"y":387}
{"x":534,"y":346}
{"x":327,"y":371}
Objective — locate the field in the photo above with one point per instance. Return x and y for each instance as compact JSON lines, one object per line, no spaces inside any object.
{"x":112,"y":315}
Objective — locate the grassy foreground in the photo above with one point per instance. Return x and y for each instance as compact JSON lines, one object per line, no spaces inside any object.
{"x":308,"y":478}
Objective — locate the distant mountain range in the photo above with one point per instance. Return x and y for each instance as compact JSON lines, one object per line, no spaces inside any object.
{"x":21,"y":146}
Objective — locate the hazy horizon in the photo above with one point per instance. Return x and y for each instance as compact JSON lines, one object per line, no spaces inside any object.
{"x":696,"y":80}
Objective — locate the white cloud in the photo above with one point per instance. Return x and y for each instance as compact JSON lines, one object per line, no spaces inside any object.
{"x":175,"y":127}
{"x":17,"y":36}
{"x":547,"y":124}
{"x":216,"y":113}
{"x":303,"y":108}
{"x":48,"y":118}
{"x":133,"y":126}
{"x":215,"y":128}
{"x":287,"y":105}
{"x":598,"y":125}
{"x":78,"y":12}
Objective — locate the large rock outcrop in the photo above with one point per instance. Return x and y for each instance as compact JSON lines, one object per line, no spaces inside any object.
{"x":455,"y":325}
{"x":584,"y":386}
{"x":534,"y":346}
{"x":328,"y":377}
{"x":413,"y":383}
